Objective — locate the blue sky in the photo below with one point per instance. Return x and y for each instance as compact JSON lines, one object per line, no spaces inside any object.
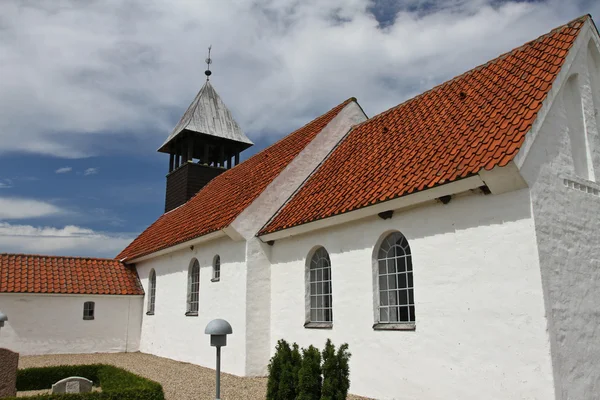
{"x":91,"y":89}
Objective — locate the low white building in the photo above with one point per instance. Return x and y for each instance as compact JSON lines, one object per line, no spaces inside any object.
{"x":69,"y":305}
{"x":451,"y":241}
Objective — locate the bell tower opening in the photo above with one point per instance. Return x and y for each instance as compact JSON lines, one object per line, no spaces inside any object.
{"x":206,"y":142}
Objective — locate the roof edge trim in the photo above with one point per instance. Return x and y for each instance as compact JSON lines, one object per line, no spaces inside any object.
{"x":454,"y":187}
{"x":200,"y":239}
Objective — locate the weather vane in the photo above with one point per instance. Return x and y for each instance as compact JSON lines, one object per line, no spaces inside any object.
{"x":208,"y":62}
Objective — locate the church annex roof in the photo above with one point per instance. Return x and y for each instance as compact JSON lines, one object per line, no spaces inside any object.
{"x":26,"y":273}
{"x":208,"y":115}
{"x":475,"y":121}
{"x":216,"y":205}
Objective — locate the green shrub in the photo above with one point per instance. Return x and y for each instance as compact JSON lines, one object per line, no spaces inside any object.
{"x":309,"y":375}
{"x":336,"y":372}
{"x":283,"y":372}
{"x":116,"y":383}
{"x":302,"y":377}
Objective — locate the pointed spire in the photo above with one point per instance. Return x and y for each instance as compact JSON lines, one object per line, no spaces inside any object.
{"x":208,"y":115}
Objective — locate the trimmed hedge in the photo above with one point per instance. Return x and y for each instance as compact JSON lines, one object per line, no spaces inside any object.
{"x":116,"y":383}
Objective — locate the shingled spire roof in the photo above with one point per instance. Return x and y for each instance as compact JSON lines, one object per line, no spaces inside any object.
{"x":208,"y":115}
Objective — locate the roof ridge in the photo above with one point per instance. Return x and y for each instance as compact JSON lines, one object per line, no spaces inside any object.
{"x":481,"y":66}
{"x":50,"y":256}
{"x":228,"y":171}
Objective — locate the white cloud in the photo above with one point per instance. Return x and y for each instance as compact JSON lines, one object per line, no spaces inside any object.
{"x":63,"y":170}
{"x":22,"y":208}
{"x":5,"y":183}
{"x":70,"y":240}
{"x":111,"y":66}
{"x":90,"y":171}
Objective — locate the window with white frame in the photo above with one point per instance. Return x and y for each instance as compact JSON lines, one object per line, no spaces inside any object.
{"x":151,"y":292}
{"x":395,"y":281}
{"x":319,"y":280}
{"x":216,"y":269}
{"x":88,"y":310}
{"x":193,"y":289}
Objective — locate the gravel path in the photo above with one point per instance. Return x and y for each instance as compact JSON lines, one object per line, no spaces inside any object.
{"x":180,"y":381}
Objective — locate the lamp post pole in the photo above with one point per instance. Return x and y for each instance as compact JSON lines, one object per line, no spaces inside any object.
{"x":218,"y":329}
{"x":218,"y":372}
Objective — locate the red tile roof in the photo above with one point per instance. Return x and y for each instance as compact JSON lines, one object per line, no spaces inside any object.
{"x":26,"y":273}
{"x":226,"y":196}
{"x":475,"y":121}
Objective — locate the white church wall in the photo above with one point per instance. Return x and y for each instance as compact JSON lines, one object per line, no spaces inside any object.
{"x":566,"y":212}
{"x":249,"y":222}
{"x":54,"y":324}
{"x":169,"y":332}
{"x":480,"y":324}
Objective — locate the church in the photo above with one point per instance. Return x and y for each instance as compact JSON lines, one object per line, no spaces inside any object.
{"x":452,"y":241}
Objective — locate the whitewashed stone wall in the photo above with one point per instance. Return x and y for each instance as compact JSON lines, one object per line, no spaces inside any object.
{"x":54,"y":324}
{"x":566,"y":211}
{"x":480,"y":323}
{"x":169,"y":332}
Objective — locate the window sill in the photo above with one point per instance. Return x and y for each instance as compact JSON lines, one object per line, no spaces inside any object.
{"x":149,"y":313}
{"x":88,"y":318}
{"x":411,"y":326}
{"x":215,"y":279}
{"x":318,"y":325}
{"x":191,"y":314}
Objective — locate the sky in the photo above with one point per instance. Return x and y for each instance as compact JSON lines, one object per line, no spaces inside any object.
{"x":90,"y":90}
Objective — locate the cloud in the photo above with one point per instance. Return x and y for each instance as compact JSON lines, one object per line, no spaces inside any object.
{"x":70,"y":240}
{"x":90,"y":171}
{"x":63,"y":170}
{"x":22,"y":208}
{"x":131,"y":68}
{"x":5,"y":183}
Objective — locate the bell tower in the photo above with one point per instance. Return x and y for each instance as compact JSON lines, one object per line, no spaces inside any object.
{"x":206,"y":142}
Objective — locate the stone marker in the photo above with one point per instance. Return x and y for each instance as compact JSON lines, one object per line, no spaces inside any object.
{"x":72,"y":384}
{"x":9,"y":362}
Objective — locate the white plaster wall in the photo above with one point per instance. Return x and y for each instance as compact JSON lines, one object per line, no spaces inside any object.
{"x":54,"y":324}
{"x":567,"y":225}
{"x":480,"y":324}
{"x":169,"y":332}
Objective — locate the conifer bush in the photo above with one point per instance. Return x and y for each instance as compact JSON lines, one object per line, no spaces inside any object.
{"x":336,"y":372}
{"x":296,"y":376}
{"x":309,"y":375}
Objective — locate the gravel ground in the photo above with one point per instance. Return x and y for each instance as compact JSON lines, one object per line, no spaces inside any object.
{"x":180,"y":381}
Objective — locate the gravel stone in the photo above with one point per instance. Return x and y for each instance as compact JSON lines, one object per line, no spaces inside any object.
{"x":180,"y":380}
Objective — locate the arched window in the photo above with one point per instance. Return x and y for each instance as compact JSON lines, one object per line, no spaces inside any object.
{"x":151,"y":292}
{"x":193,"y":289}
{"x":395,"y":291}
{"x":88,"y":310}
{"x":319,"y":288}
{"x":580,"y":152}
{"x":216,"y":275}
{"x":594,"y":74}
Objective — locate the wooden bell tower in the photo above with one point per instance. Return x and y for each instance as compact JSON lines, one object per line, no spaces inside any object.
{"x":206,"y":142}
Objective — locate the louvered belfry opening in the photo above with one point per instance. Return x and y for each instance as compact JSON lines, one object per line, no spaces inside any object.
{"x":206,"y":142}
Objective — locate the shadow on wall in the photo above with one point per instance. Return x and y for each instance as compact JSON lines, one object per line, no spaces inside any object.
{"x":462,"y":213}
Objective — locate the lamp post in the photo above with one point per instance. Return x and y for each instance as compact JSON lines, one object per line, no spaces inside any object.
{"x":218,"y":329}
{"x":3,"y":319}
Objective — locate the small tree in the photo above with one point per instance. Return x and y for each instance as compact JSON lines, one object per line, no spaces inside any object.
{"x":283,"y":372}
{"x":336,"y":372}
{"x":309,"y":375}
{"x":276,"y":367}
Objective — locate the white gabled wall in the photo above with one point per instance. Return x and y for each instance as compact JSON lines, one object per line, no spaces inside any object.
{"x":54,"y":324}
{"x":253,"y":218}
{"x":480,"y":324}
{"x":566,"y":211}
{"x":169,"y":332}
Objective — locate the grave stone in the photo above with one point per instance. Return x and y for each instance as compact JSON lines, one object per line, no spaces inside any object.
{"x":9,"y":362}
{"x":73,"y":384}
